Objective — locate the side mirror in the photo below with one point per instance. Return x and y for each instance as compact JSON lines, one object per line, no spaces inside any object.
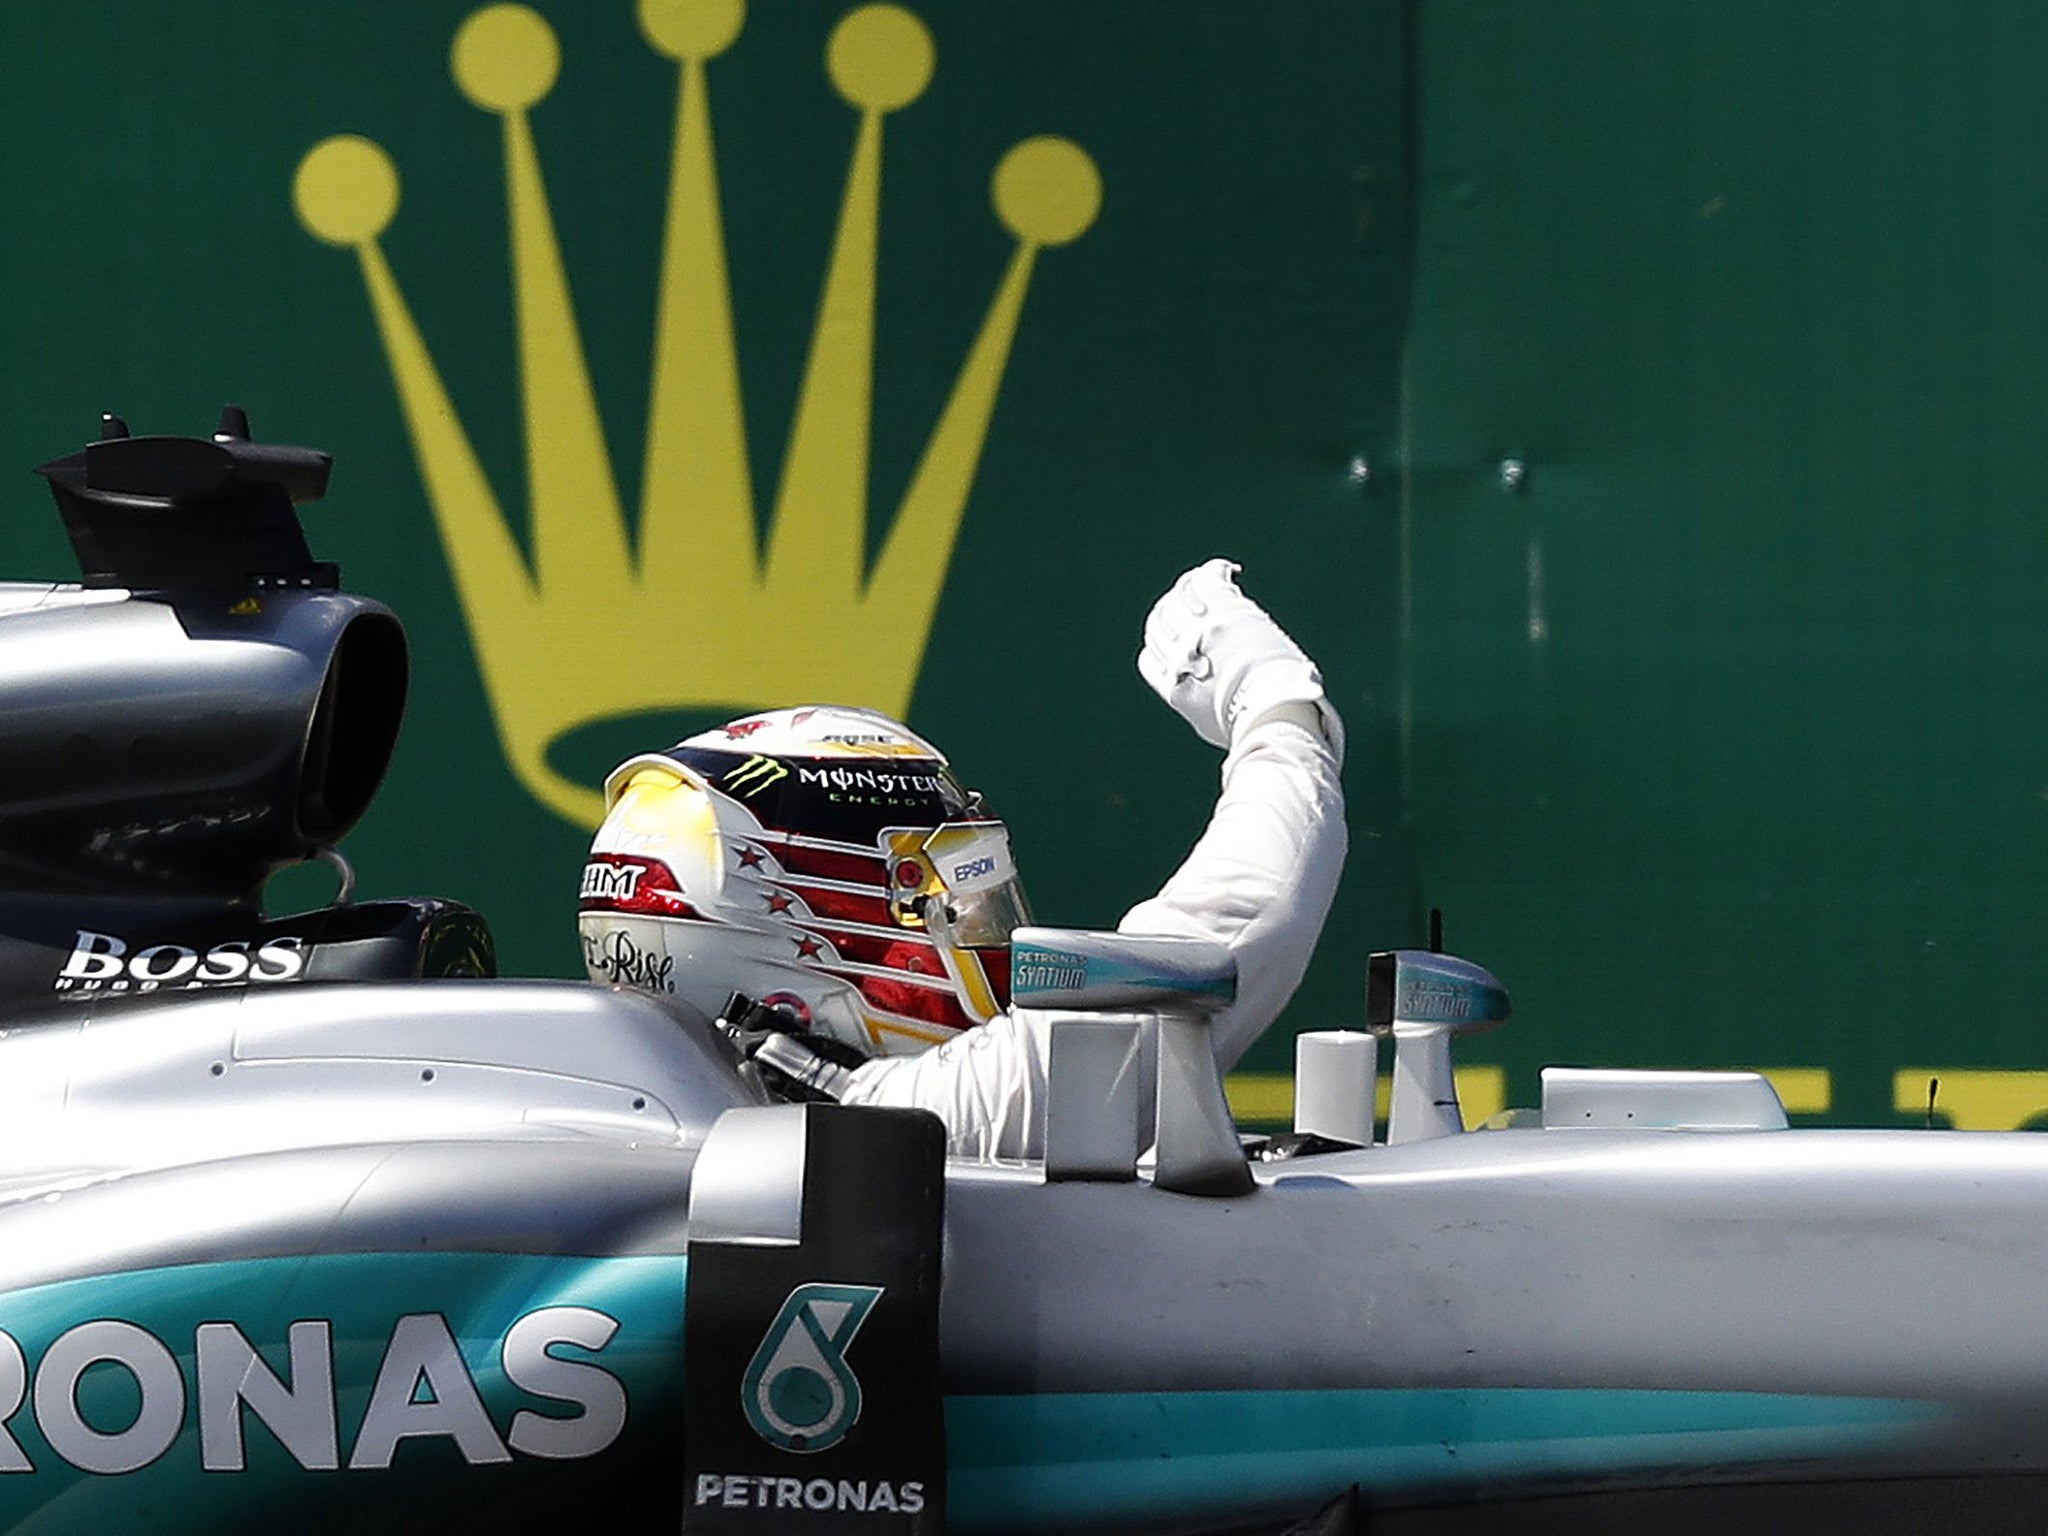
{"x":1083,"y":968}
{"x":1424,"y":999}
{"x":1181,"y":982}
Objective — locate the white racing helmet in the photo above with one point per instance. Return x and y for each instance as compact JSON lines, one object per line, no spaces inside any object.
{"x":822,"y":859}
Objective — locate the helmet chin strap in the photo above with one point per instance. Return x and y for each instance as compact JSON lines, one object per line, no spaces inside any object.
{"x":963,"y":967}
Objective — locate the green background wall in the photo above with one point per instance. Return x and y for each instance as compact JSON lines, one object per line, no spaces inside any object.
{"x":1729,"y":739}
{"x":1718,"y":737}
{"x":1192,"y":376}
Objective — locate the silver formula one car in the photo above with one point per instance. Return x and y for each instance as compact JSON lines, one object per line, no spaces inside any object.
{"x":311,"y":1222}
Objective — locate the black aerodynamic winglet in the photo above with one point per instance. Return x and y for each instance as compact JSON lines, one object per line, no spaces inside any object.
{"x":178,"y":513}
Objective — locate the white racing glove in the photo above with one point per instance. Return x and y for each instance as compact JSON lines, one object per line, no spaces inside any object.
{"x":1219,"y":659}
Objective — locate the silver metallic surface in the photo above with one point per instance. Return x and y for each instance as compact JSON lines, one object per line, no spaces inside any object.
{"x":526,"y":1117}
{"x":1882,"y":1263}
{"x":534,"y":1195}
{"x":1424,"y":1099}
{"x":1336,"y":1073}
{"x":1424,"y":999}
{"x":1094,"y":1097}
{"x":538,"y":1118}
{"x":795,"y":1060}
{"x":1611,"y":1099}
{"x":1425,"y":986}
{"x":1086,"y":968}
{"x":1196,"y":1150}
{"x":213,"y":1074}
{"x":748,"y":1185}
{"x":154,"y":746}
{"x":1807,"y":1261}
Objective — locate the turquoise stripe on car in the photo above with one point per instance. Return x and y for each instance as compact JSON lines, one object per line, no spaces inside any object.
{"x":1075,"y":1458}
{"x":1015,"y":1462}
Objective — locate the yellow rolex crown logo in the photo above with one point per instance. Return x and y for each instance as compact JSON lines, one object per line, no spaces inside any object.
{"x":590,"y":627}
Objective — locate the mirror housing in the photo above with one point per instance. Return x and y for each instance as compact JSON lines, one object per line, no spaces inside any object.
{"x":1424,"y":999}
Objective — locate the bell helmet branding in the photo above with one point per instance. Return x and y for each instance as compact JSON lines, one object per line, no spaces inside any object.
{"x":798,"y":1392}
{"x":106,"y":962}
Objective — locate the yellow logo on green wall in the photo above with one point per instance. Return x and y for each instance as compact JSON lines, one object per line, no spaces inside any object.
{"x":550,"y":632}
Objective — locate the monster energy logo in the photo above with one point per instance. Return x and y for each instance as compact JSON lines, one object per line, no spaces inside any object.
{"x":798,"y":1393}
{"x":755,"y":775}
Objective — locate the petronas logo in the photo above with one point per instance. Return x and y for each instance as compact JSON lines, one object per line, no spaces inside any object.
{"x":798,"y":1392}
{"x":550,"y":627}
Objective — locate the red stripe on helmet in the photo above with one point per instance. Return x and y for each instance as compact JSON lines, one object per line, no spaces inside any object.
{"x":925,"y":1005}
{"x":920,"y":957}
{"x":831,"y":863}
{"x":847,"y":906}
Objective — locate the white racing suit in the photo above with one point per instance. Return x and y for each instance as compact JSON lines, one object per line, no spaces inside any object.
{"x":1259,"y":881}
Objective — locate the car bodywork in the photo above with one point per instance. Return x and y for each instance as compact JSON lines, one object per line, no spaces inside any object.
{"x":367,"y":1185}
{"x":303,"y":1221}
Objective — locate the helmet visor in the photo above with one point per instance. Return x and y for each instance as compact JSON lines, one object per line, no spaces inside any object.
{"x":983,"y":919}
{"x":967,"y":866}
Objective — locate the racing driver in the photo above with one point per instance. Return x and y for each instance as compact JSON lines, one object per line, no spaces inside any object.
{"x":818,"y":880}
